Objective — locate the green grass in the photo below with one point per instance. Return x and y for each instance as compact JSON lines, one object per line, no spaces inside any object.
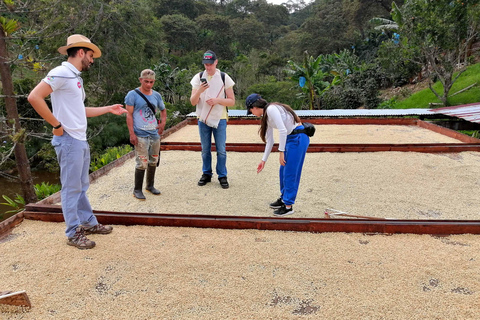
{"x":421,"y":99}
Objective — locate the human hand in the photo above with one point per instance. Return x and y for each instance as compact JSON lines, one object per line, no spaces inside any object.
{"x":282,"y":159}
{"x":160,"y":129}
{"x":117,"y":109}
{"x":204,"y":86}
{"x":58,"y":132}
{"x":133,"y":139}
{"x":212,"y":101}
{"x":260,"y":167}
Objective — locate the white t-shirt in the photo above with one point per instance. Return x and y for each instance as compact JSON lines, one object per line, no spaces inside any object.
{"x":280,"y":119}
{"x":68,"y":99}
{"x":205,"y":113}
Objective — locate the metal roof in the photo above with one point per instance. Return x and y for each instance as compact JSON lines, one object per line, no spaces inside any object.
{"x":469,"y":112}
{"x":344,"y":113}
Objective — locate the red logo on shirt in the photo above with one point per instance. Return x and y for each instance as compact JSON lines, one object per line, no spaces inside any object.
{"x":79,"y":85}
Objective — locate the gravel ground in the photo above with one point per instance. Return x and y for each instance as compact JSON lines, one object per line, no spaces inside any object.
{"x":142,"y":272}
{"x":400,"y":185}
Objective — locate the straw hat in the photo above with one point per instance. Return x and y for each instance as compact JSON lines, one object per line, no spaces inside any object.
{"x":77,"y":40}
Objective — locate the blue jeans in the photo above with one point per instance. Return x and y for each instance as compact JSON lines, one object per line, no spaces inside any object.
{"x":220,"y":136}
{"x":290,"y":174}
{"x":74,"y":159}
{"x":147,"y":152}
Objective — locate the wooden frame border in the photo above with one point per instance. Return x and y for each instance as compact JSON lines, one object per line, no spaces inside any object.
{"x":45,"y":211}
{"x":390,"y":226}
{"x":467,"y":143}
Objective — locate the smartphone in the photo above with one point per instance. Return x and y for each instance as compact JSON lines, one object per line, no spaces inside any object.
{"x":203,"y":80}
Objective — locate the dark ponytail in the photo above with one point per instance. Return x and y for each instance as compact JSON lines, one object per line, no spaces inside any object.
{"x":264,"y":124}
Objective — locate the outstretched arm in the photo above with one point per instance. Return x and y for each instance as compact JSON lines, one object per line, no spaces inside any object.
{"x":98,"y":111}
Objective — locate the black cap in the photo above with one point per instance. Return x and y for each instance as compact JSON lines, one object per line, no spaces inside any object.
{"x":251,"y":99}
{"x":209,"y":57}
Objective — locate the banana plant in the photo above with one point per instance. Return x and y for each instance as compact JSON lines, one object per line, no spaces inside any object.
{"x":312,"y":72}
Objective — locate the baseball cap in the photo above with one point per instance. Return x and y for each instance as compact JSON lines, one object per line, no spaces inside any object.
{"x":209,"y":57}
{"x":251,"y":99}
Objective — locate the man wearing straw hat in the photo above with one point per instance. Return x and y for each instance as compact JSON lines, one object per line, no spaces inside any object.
{"x":69,"y":122}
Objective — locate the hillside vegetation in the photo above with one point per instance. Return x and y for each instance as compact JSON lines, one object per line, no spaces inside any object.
{"x":421,"y":98}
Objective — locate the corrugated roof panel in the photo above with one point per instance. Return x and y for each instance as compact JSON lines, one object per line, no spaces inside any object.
{"x":469,"y":112}
{"x":343,"y":113}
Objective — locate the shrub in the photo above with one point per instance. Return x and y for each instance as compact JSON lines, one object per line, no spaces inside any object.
{"x":46,"y":189}
{"x":17,"y":204}
{"x":177,"y":112}
{"x":388,"y":104}
{"x":281,"y":91}
{"x":108,"y":156}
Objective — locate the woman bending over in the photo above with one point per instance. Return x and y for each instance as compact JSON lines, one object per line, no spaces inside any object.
{"x":293,"y":146}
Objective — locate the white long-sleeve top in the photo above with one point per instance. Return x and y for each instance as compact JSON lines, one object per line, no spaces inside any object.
{"x":282,"y":120}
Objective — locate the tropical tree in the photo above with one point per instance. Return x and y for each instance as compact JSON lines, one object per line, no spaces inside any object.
{"x":312,"y":78}
{"x":180,"y":33}
{"x":8,"y":27}
{"x":443,"y":32}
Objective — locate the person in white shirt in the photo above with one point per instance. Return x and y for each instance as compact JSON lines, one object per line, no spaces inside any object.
{"x":69,"y":121}
{"x":212,"y":93}
{"x":293,"y":145}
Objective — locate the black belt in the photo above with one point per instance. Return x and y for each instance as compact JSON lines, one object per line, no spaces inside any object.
{"x":297,"y":131}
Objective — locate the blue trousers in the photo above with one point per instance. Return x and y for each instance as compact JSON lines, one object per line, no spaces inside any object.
{"x":220,"y":136}
{"x":290,"y":174}
{"x":74,"y":159}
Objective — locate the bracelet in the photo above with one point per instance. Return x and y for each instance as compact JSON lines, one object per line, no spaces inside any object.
{"x":58,"y":127}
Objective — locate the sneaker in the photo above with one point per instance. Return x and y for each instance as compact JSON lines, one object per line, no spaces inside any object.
{"x":204,"y":179}
{"x":277,"y":204}
{"x":79,"y":240}
{"x":223,"y":182}
{"x":283,"y":211}
{"x":99,"y":229}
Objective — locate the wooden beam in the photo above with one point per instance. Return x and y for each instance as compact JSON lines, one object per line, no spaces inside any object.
{"x":443,"y":227}
{"x":337,"y":147}
{"x":7,"y":225}
{"x":19,"y":298}
{"x":447,"y":132}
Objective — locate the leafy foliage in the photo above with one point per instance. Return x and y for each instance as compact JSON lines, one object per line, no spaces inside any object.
{"x":279,"y":91}
{"x":108,"y":156}
{"x":442,"y":31}
{"x":17,"y":204}
{"x":46,"y":189}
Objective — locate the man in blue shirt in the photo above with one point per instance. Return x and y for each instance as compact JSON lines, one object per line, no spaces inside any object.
{"x":142,"y":105}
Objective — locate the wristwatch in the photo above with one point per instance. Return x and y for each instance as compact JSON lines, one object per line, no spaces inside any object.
{"x":58,"y":127}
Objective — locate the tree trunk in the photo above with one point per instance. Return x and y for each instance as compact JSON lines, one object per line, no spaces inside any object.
{"x":13,"y":122}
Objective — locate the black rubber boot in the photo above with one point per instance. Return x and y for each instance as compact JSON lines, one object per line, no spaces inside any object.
{"x":151,"y":179}
{"x":137,"y":191}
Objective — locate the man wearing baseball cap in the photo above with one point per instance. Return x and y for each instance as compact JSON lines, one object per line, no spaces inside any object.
{"x":69,"y":121}
{"x":212,"y":93}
